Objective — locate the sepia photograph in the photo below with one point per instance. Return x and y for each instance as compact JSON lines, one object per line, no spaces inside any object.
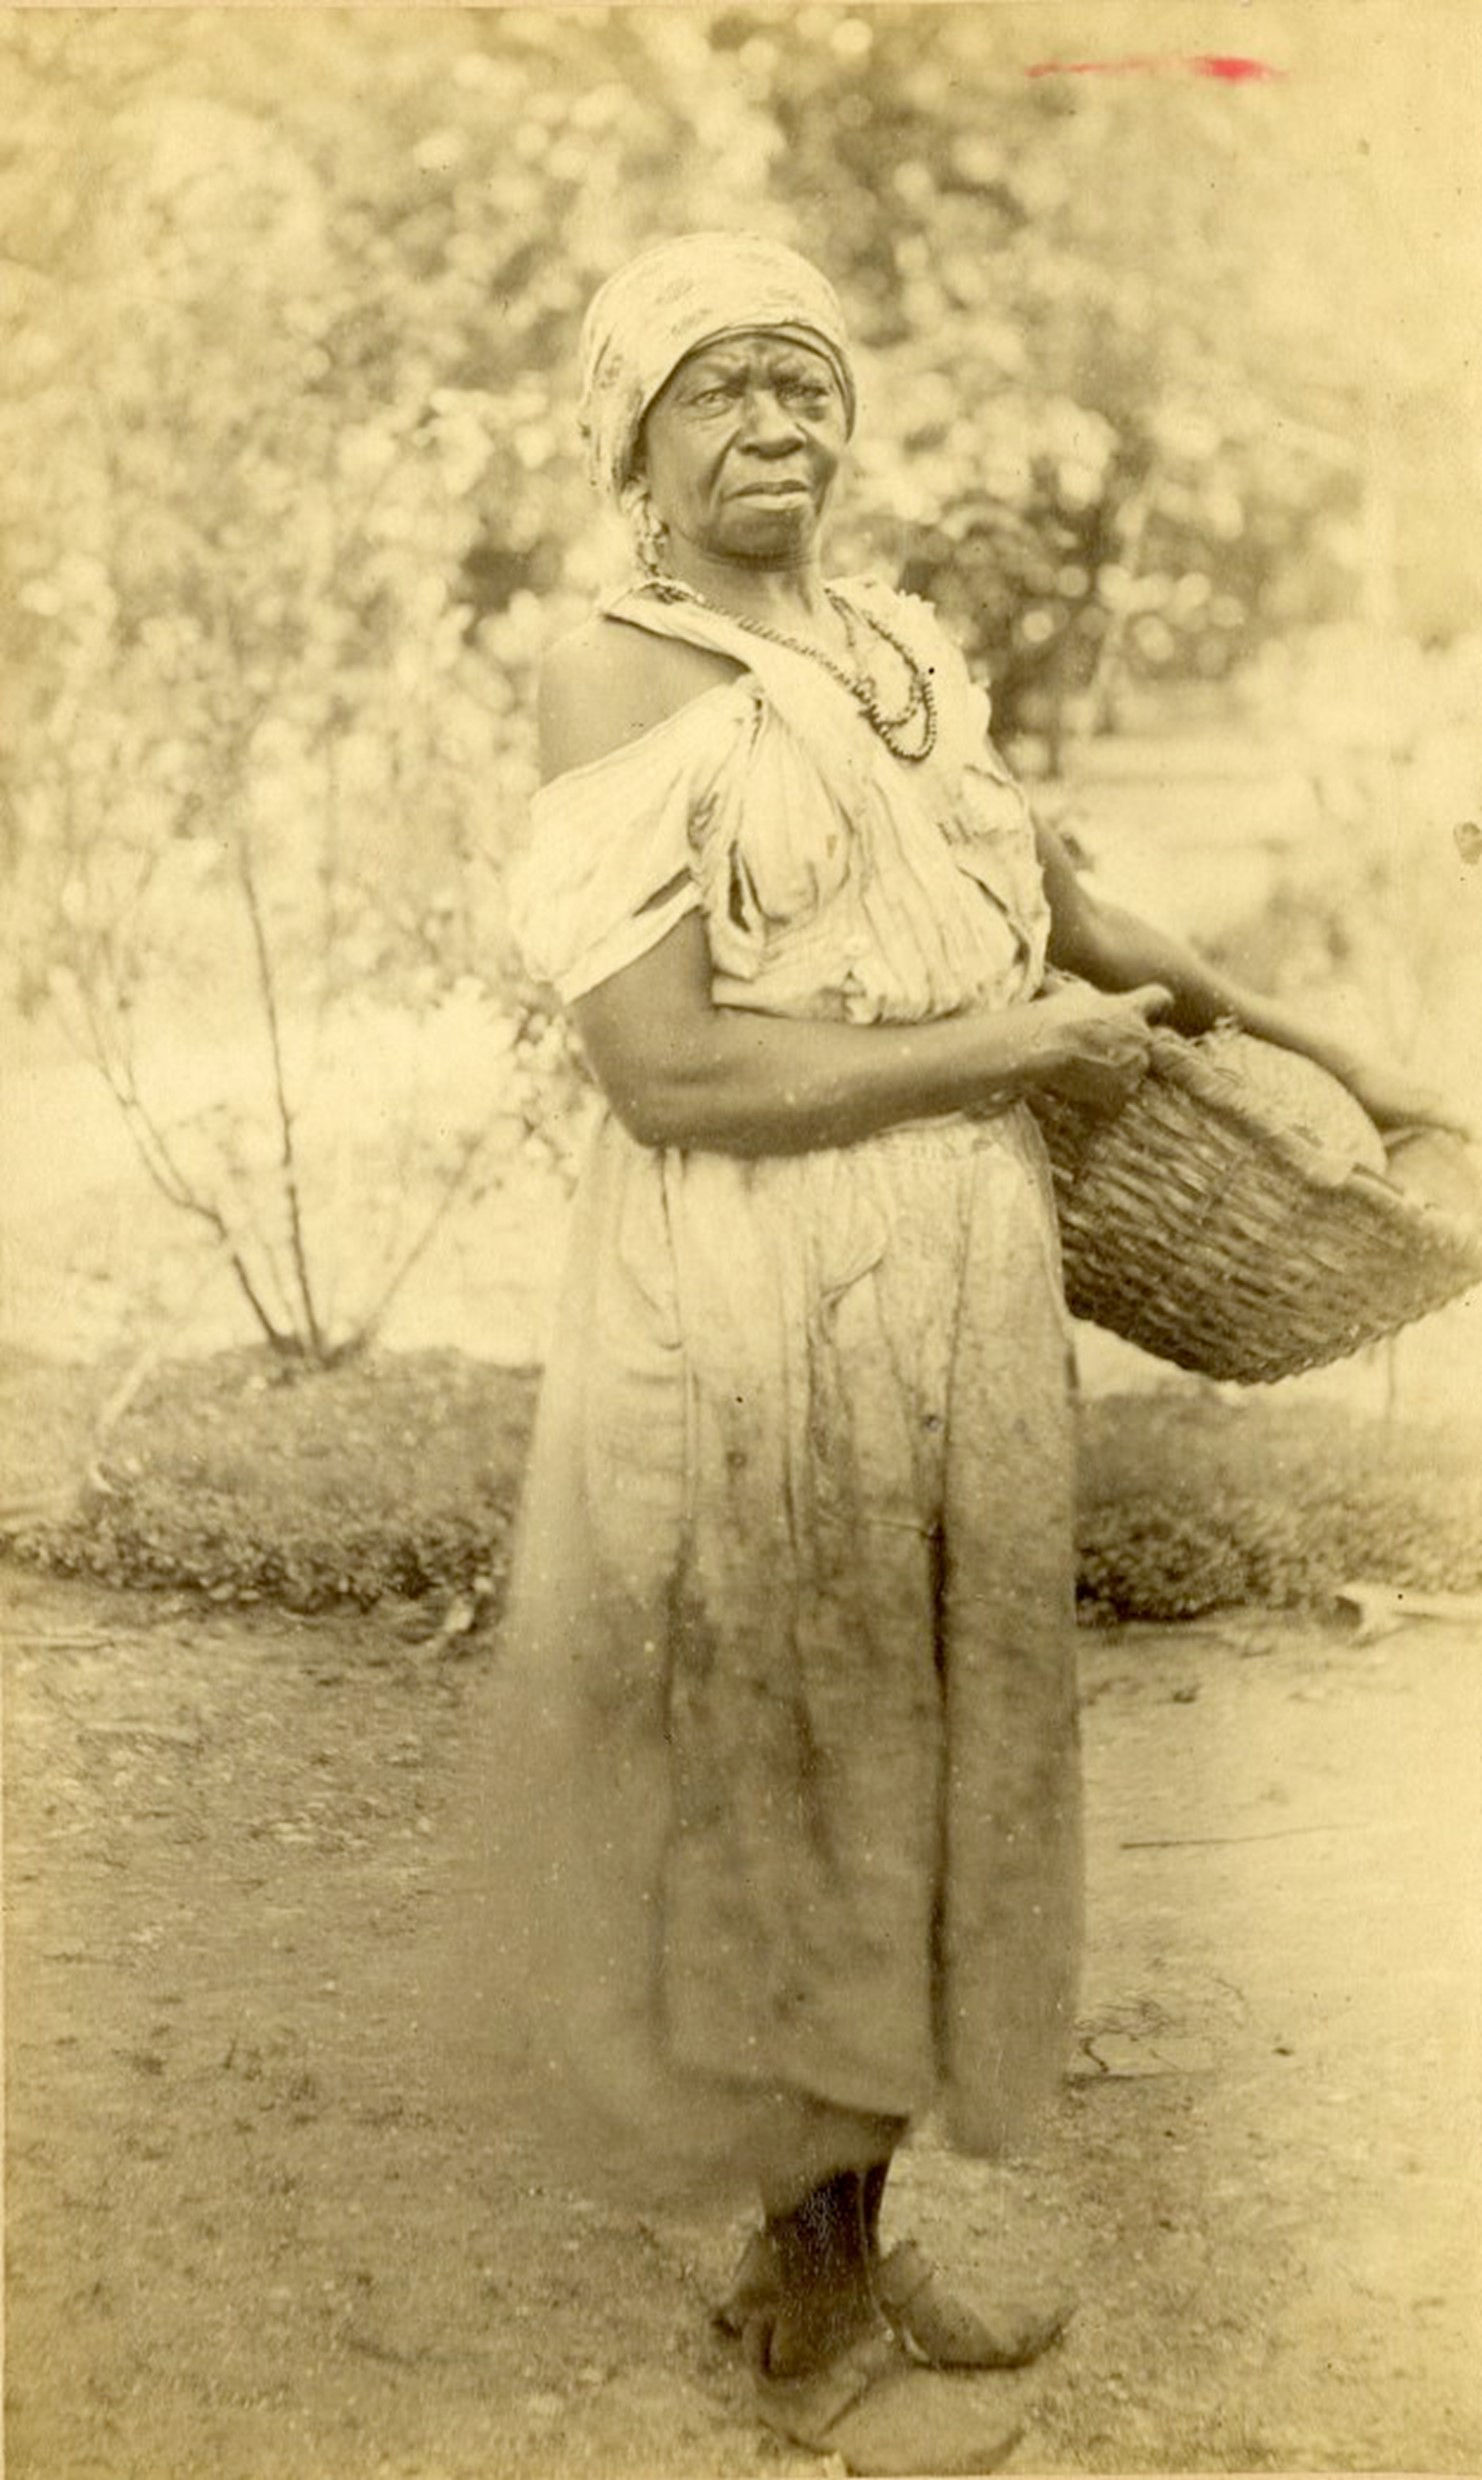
{"x":741,"y":1239}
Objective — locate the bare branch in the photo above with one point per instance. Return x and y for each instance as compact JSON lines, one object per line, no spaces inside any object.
{"x":454,"y":1186}
{"x":153,"y":1148}
{"x":1136,"y":512}
{"x":287,"y":1157}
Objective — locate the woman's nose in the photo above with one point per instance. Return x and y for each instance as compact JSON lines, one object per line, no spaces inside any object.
{"x":768,"y":421}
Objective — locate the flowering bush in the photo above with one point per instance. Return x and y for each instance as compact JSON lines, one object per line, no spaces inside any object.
{"x":293,"y":496}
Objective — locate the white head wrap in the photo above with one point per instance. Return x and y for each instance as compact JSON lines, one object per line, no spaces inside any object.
{"x":668,"y":302}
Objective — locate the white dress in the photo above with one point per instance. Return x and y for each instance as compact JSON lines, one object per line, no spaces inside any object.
{"x":773,"y":1809}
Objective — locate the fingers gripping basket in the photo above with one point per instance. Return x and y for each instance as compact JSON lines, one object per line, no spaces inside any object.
{"x":1240,"y":1215}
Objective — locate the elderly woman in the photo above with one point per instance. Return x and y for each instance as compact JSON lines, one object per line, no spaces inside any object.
{"x":789,"y":1639}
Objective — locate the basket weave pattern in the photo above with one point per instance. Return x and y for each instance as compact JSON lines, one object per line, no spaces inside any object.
{"x":1210,"y":1233}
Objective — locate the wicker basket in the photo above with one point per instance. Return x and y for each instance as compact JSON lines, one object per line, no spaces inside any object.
{"x":1240,"y":1228}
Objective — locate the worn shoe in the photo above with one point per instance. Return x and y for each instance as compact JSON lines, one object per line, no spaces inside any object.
{"x":945,"y":2332}
{"x":936,"y":2328}
{"x":880,"y":2412}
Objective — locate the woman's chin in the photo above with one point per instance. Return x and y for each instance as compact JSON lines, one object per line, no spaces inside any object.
{"x":760,"y":531}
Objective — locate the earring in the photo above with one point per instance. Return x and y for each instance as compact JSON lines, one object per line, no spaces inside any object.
{"x":650,"y":534}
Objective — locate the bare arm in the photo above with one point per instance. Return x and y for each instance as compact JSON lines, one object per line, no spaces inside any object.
{"x":681,"y":1071}
{"x":1116,"y":950}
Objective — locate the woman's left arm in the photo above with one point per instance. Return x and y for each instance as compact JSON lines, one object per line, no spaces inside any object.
{"x":1117,"y":950}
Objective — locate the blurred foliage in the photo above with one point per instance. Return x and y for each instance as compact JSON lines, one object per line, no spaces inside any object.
{"x":1374,"y":917}
{"x":291,"y":353}
{"x":291,"y":485}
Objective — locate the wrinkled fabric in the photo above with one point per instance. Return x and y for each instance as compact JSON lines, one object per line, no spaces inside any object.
{"x":667,"y":302}
{"x":835,"y":880}
{"x":773,"y":1800}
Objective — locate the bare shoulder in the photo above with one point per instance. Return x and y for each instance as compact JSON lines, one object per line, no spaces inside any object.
{"x":607,"y":681}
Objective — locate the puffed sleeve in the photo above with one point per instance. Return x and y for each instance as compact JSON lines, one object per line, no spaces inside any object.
{"x":607,"y":868}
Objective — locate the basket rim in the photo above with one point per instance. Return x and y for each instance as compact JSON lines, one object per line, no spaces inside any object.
{"x":1185,"y":1062}
{"x":1163,"y":1205}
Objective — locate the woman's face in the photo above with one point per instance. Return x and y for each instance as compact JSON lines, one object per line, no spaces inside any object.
{"x":741,"y":447}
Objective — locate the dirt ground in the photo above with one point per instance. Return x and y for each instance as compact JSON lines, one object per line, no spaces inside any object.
{"x":246,"y":2241}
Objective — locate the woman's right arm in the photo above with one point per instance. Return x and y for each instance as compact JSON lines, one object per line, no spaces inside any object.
{"x":680,"y":1071}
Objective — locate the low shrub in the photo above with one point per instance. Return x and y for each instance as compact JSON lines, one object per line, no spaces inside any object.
{"x":1190,"y":1502}
{"x":253,"y":1480}
{"x":398,"y":1475}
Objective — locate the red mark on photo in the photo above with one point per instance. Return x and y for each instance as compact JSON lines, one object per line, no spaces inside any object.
{"x":1231,"y":67}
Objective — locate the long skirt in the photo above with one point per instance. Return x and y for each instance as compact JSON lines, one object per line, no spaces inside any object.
{"x":770,"y":1812}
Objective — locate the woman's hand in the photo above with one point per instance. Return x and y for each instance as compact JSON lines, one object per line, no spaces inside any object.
{"x":680,"y":1071}
{"x":1395,"y":1100}
{"x":1094,"y":1047}
{"x":1113,"y":949}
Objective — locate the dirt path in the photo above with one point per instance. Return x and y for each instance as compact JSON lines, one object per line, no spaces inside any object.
{"x":245,"y":2243}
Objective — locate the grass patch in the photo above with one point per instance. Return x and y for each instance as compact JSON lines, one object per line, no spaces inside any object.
{"x":398,"y":1475}
{"x":252,"y":1481}
{"x":1190,"y":1502}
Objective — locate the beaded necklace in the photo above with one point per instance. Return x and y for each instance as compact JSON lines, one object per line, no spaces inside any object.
{"x":918,"y":716}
